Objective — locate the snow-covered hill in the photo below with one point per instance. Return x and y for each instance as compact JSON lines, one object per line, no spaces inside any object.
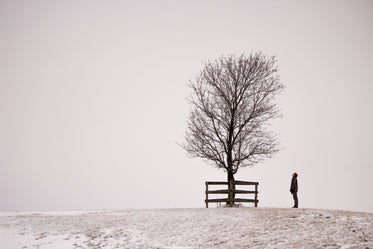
{"x":188,"y":228}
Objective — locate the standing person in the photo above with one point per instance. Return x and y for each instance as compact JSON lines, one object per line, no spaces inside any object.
{"x":294,"y":189}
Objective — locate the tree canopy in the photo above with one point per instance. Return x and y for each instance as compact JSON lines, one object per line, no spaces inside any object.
{"x":231,"y":103}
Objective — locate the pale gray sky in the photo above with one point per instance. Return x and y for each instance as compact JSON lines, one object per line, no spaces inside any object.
{"x":93,"y":101}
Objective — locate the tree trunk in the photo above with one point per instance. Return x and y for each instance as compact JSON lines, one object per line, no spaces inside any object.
{"x":231,"y":188}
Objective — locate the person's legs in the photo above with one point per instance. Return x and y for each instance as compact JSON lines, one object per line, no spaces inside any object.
{"x":295,"y":197}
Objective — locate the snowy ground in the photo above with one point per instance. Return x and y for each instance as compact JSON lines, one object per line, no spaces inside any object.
{"x":188,"y":228}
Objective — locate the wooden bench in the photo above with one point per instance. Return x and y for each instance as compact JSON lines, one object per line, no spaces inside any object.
{"x":231,"y":192}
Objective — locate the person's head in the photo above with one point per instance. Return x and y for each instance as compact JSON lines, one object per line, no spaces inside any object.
{"x":295,"y":175}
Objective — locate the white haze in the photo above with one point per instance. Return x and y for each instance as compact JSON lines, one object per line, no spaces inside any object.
{"x":93,"y":101}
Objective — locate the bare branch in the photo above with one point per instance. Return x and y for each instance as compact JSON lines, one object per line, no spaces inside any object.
{"x":232,"y":102}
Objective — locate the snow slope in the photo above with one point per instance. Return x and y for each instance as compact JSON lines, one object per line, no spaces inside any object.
{"x":188,"y":228}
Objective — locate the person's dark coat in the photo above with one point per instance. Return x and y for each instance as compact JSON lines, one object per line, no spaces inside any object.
{"x":294,"y":185}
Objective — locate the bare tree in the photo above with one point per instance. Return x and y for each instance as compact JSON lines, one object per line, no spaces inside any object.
{"x":232,"y":102}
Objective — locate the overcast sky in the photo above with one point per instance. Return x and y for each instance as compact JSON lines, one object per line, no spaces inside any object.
{"x":93,"y":101}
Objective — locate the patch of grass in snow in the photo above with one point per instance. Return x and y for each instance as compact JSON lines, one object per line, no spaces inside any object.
{"x":195,"y":228}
